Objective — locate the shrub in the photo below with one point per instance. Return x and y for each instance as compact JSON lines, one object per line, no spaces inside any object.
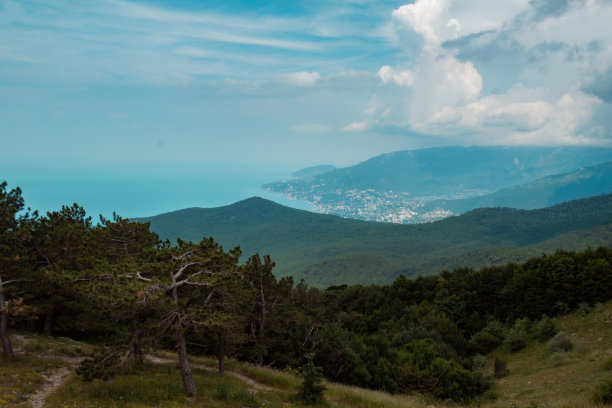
{"x":500,"y":368}
{"x":452,"y":380}
{"x":100,"y":366}
{"x":556,"y":359}
{"x":517,"y":337}
{"x":311,"y":390}
{"x":603,"y":392}
{"x":546,"y":328}
{"x":607,"y":365}
{"x":483,"y":380}
{"x":584,"y":308}
{"x":561,"y":342}
{"x":484,"y":342}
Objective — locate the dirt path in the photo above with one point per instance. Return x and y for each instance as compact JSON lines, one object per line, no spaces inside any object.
{"x":54,"y":380}
{"x":58,"y":377}
{"x":255,"y":386}
{"x":18,"y":342}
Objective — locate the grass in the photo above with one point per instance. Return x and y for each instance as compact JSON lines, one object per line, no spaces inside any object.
{"x":157,"y":385}
{"x":36,"y":357}
{"x":535,"y":380}
{"x":160,"y":385}
{"x":566,"y":379}
{"x":21,"y":376}
{"x":62,"y":346}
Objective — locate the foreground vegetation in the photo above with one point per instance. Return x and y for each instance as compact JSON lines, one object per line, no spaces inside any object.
{"x":116,"y":285}
{"x":536,"y":378}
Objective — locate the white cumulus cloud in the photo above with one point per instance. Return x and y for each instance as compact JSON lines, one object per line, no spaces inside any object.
{"x":401,"y":78}
{"x":428,"y":18}
{"x":546,"y":103}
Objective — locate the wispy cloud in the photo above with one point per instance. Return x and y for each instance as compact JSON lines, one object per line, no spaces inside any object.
{"x":355,"y":127}
{"x":302,"y":78}
{"x":113,"y":40}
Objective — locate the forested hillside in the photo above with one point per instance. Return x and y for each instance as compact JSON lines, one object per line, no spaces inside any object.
{"x":544,"y":192}
{"x":326,"y":250}
{"x":426,"y":335}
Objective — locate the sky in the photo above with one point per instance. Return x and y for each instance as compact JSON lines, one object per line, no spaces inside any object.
{"x":289,"y":84}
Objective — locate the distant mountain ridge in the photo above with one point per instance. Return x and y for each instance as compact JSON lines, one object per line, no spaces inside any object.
{"x":394,"y":187}
{"x":314,"y":170}
{"x":544,"y":192}
{"x":327,"y":250}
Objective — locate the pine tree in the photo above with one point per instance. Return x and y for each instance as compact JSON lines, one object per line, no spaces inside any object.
{"x":311,"y":390}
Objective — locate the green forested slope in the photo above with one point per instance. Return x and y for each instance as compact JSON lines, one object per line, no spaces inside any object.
{"x":544,"y":192}
{"x":326,"y":250}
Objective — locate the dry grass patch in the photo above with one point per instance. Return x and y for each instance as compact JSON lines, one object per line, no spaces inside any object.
{"x":568,"y":379}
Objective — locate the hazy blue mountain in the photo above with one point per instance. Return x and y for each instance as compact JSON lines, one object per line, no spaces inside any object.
{"x":394,"y":187}
{"x":313,"y":171}
{"x":326,"y":250}
{"x":544,"y":192}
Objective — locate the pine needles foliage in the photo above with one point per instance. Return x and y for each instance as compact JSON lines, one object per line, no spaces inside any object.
{"x":311,"y":389}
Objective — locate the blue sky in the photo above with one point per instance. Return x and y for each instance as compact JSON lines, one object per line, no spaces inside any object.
{"x":298,"y":83}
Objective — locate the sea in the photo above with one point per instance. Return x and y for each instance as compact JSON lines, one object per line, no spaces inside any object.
{"x":142,"y":189}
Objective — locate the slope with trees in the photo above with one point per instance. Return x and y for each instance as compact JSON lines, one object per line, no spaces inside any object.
{"x":327,"y":250}
{"x":426,"y":335}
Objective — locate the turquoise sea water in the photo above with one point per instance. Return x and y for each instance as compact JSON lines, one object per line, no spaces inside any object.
{"x":138,"y":190}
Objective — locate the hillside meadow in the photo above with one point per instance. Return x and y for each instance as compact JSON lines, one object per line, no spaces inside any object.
{"x":536,"y":378}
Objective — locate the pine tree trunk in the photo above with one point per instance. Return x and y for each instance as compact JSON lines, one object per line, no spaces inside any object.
{"x":188,"y":383}
{"x":48,"y":325}
{"x":6,"y":341}
{"x":221,"y":355}
{"x":137,"y":353}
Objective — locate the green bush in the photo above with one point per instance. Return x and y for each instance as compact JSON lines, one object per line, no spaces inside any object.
{"x":584,"y":308}
{"x":453,"y":381}
{"x":561,"y":342}
{"x":556,"y":359}
{"x":484,"y":341}
{"x":100,"y":366}
{"x":603,"y":392}
{"x":517,"y":337}
{"x":482,"y":378}
{"x":546,"y":328}
{"x":607,"y":365}
{"x":311,"y":390}
{"x":500,"y":368}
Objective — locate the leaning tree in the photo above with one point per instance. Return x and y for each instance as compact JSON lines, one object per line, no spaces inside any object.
{"x":190,"y":287}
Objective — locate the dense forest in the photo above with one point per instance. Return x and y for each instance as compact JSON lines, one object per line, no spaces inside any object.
{"x":114,"y":283}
